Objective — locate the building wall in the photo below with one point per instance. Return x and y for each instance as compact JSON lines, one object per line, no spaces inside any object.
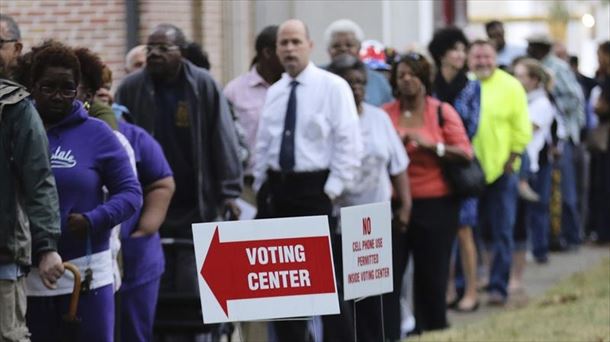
{"x":524,"y":18}
{"x":155,"y":12}
{"x":98,"y":25}
{"x":397,"y":23}
{"x":101,"y":25}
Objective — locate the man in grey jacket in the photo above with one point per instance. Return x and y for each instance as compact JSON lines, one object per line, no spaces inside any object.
{"x":29,"y":206}
{"x":184,"y":109}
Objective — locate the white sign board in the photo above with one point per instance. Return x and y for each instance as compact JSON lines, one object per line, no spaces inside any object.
{"x":265,"y":269}
{"x":367,"y":250}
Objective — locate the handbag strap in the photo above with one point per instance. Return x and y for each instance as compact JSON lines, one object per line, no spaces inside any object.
{"x":439,"y":114}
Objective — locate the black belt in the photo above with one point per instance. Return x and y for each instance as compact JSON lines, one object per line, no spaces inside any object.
{"x":292,"y":176}
{"x":248,"y":180}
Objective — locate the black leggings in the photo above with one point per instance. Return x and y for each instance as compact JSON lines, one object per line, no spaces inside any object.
{"x":428,"y":240}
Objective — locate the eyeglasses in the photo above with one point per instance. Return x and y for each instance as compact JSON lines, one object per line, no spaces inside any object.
{"x":2,"y":41}
{"x":63,"y":92}
{"x":163,"y":48}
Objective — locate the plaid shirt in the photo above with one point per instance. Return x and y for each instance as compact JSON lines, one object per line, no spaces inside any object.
{"x":568,"y":96}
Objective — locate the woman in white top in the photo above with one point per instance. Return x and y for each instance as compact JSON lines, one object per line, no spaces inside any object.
{"x":383,"y":168}
{"x":534,"y":215}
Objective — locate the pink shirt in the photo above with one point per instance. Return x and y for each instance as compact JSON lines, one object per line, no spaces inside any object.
{"x":425,"y":174}
{"x":247,"y":95}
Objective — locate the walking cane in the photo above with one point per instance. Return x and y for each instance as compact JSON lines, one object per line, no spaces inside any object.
{"x":70,"y":327}
{"x":555,"y":209}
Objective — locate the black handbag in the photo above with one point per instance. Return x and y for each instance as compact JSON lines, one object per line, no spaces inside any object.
{"x":465,"y":178}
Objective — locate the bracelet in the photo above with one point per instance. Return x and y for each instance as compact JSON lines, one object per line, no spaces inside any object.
{"x":440,"y":150}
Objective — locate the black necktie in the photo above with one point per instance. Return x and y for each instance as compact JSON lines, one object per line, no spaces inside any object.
{"x":287,"y":148}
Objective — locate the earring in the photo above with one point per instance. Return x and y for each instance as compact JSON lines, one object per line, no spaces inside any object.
{"x":87,"y":105}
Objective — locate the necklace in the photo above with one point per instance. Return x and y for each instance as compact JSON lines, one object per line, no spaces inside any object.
{"x":407,"y":114}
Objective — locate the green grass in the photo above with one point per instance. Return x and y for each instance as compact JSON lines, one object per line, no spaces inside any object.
{"x":577,"y":309}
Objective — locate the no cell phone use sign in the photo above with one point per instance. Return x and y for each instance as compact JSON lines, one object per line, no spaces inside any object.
{"x":367,"y":250}
{"x":265,"y":269}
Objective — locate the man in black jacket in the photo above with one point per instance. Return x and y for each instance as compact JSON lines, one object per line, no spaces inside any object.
{"x":183,"y":108}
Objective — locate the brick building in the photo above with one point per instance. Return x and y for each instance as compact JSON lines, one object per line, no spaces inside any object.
{"x":225,"y":28}
{"x":102,"y":25}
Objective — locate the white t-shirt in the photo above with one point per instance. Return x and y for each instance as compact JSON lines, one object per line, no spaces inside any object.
{"x":542,"y":114}
{"x":384,"y":155}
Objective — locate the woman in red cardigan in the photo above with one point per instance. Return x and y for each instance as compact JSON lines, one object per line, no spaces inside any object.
{"x":434,"y":218}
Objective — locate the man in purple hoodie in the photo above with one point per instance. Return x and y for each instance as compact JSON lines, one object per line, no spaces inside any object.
{"x":85,"y":156}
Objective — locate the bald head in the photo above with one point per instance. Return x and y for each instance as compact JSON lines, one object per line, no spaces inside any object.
{"x":135,"y":59}
{"x":294,"y":46}
{"x":173,"y":33}
{"x":295,"y":24}
{"x":10,"y":48}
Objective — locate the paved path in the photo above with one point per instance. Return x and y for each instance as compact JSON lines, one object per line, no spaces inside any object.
{"x":539,"y":278}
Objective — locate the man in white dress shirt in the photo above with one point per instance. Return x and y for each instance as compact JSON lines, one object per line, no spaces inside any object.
{"x":308,"y":149}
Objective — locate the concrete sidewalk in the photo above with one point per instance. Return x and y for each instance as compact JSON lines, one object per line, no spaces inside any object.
{"x":539,"y":278}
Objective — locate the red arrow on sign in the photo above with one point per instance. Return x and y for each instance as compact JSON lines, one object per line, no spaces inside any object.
{"x":268,"y":268}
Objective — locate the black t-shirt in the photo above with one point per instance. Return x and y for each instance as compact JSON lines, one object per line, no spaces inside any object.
{"x":173,"y":131}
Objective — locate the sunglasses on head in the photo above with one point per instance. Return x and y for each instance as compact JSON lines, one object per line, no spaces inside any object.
{"x":413,"y":56}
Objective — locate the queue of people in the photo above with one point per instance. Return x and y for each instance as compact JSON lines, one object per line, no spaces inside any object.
{"x":103,"y":177}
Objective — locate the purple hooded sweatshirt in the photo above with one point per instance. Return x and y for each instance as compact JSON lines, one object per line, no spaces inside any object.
{"x":85,"y":156}
{"x":143,"y":258}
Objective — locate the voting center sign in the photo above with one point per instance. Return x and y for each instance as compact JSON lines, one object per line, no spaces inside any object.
{"x":265,"y":269}
{"x":367,"y":250}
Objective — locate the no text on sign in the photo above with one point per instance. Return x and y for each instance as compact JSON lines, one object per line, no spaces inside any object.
{"x":265,"y":269}
{"x":367,"y":250}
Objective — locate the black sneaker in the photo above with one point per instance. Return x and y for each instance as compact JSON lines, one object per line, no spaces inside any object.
{"x":558,"y":245}
{"x":542,"y":260}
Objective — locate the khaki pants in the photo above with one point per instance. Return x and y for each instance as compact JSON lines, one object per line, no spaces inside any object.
{"x":12,"y":311}
{"x":252,"y":331}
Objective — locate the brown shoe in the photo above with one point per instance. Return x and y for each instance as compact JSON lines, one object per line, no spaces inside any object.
{"x":496,"y":299}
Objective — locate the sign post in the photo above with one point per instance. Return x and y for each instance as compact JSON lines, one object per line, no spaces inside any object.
{"x":265,"y":269}
{"x":367,"y":250}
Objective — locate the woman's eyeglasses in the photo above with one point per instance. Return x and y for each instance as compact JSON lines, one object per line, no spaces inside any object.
{"x":51,"y":91}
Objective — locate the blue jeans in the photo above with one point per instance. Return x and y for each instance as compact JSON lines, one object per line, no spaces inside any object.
{"x":570,"y":217}
{"x":537,"y":219}
{"x":524,"y":171}
{"x":498,"y":211}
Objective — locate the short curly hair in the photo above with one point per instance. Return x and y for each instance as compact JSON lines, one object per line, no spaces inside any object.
{"x":91,"y":67}
{"x":421,"y":67}
{"x":52,"y":53}
{"x":444,"y":40}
